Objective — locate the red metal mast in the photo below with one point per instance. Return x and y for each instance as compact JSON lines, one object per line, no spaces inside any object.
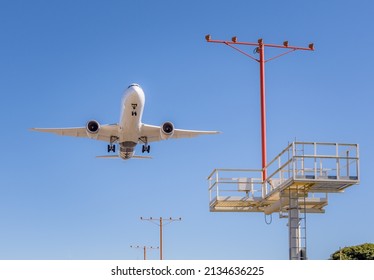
{"x":260,"y":48}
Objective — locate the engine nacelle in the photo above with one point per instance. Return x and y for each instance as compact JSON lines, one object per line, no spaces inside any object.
{"x":167,"y":130}
{"x":92,"y":128}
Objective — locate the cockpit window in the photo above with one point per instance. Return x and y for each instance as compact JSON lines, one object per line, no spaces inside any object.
{"x":132,"y":85}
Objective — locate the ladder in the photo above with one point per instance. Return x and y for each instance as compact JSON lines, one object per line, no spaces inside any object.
{"x":295,"y":211}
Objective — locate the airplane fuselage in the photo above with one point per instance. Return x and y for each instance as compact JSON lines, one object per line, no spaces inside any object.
{"x":130,"y":121}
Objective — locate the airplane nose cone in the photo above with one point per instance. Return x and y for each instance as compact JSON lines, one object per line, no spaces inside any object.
{"x":134,"y":89}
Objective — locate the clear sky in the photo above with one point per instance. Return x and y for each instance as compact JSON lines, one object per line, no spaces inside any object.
{"x":63,"y":63}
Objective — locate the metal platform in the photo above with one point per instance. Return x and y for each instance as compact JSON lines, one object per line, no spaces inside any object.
{"x":309,"y":169}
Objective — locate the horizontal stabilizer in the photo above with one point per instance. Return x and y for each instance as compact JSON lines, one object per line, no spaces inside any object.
{"x":142,"y":157}
{"x":111,"y":156}
{"x":117,"y":156}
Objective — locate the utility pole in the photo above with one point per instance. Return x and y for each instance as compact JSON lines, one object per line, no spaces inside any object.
{"x":144,"y":248}
{"x":260,"y":49}
{"x":159,"y":222}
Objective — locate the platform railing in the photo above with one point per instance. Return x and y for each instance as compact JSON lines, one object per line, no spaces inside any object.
{"x":299,"y":161}
{"x":240,"y":183}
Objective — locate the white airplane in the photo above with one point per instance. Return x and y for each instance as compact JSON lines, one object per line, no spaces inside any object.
{"x":129,"y":131}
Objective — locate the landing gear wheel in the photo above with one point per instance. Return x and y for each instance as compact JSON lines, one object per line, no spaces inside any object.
{"x":146,"y":148}
{"x":111,"y":148}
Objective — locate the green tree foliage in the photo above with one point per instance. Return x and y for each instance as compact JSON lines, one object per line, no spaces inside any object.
{"x":359,"y":252}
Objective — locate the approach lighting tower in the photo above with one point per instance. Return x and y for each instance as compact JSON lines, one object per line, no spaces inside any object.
{"x":295,"y":182}
{"x":160,"y":222}
{"x":260,"y":49}
{"x":144,"y":248}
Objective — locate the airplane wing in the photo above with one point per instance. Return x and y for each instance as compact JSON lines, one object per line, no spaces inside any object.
{"x":104,"y":134}
{"x":153,"y":133}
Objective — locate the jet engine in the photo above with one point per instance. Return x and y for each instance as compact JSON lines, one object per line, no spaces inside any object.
{"x":167,"y":130}
{"x":92,"y":128}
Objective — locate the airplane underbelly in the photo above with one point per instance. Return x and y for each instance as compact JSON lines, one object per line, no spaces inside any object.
{"x":127,"y":149}
{"x":130,"y":122}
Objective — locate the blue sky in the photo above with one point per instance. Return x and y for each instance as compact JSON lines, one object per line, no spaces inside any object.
{"x":63,"y":63}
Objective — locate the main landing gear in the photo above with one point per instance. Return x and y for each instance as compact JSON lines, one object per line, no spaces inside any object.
{"x":111,"y":145}
{"x":111,"y":148}
{"x":146,"y":147}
